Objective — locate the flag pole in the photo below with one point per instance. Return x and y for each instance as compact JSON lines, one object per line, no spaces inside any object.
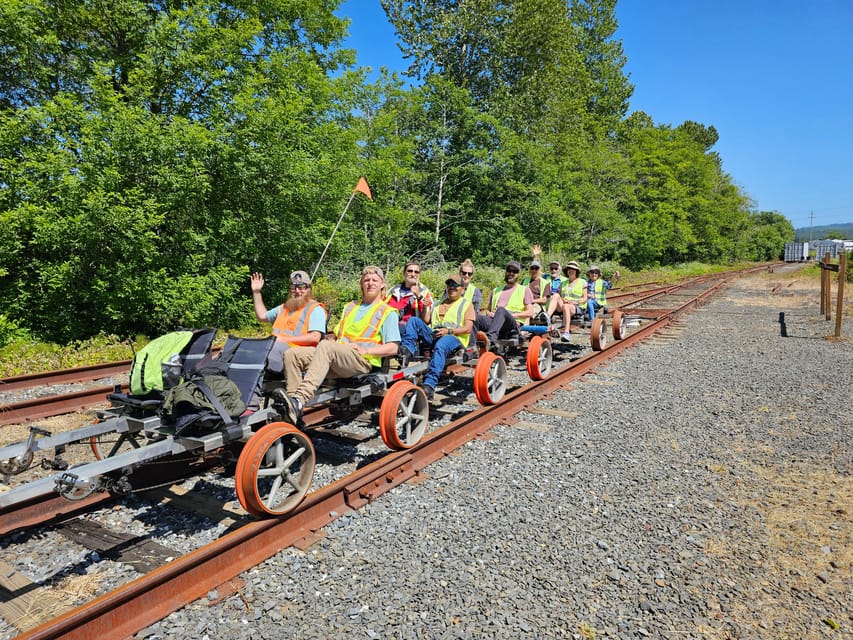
{"x":326,"y":248}
{"x":361,"y":187}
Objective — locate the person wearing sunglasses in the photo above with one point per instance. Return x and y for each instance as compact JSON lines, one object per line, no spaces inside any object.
{"x":469,"y":291}
{"x":299,"y":321}
{"x":509,"y":307}
{"x":452,"y":324}
{"x":410,"y":298}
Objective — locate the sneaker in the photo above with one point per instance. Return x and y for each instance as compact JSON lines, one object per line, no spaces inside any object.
{"x":566,"y":336}
{"x":429,"y":392}
{"x":293,"y":410}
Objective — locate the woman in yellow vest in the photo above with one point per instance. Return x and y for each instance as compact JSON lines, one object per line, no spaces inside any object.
{"x":452,"y":323}
{"x":368,"y":331}
{"x":573,"y":294}
{"x":596,"y":290}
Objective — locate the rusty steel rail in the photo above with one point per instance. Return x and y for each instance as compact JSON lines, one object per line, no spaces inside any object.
{"x":138,"y":604}
{"x":45,"y":407}
{"x":65,"y":376}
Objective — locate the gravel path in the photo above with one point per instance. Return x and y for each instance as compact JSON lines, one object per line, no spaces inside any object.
{"x":704,"y":491}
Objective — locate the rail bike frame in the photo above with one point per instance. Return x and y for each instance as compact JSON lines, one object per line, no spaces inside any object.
{"x":149,"y":438}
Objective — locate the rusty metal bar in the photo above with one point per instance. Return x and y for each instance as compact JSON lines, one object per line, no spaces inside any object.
{"x":61,"y":376}
{"x":24,"y":411}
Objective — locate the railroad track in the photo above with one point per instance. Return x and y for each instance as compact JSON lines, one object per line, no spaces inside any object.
{"x":130,"y":608}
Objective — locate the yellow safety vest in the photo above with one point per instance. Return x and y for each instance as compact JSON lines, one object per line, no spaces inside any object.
{"x":600,"y":293}
{"x":574,"y":290}
{"x":453,"y":318}
{"x":515,"y":304}
{"x":365,"y":332}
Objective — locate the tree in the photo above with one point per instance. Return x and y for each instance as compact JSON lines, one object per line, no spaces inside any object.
{"x":150,"y":151}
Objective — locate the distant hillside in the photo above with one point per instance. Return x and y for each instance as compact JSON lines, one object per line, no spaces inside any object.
{"x":823,"y":232}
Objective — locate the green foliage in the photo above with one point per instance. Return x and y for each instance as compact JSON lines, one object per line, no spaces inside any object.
{"x":24,"y":355}
{"x":152,"y":155}
{"x":11,"y":332}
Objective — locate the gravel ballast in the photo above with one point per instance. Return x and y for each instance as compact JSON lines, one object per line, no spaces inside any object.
{"x":703,"y":490}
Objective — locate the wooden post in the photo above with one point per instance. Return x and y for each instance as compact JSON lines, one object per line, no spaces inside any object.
{"x":828,"y":300}
{"x":822,"y":287}
{"x":842,"y":276}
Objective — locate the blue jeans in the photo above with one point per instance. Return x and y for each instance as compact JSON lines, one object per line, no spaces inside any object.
{"x":418,"y":330}
{"x":591,"y":307}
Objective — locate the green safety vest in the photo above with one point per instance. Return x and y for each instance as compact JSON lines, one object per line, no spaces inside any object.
{"x":365,"y":332}
{"x":515,"y":304}
{"x":600,"y":293}
{"x":453,"y":318}
{"x":574,"y":290}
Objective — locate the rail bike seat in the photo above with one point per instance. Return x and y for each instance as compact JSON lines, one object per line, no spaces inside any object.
{"x":242,"y":361}
{"x":149,"y":402}
{"x":193,"y":352}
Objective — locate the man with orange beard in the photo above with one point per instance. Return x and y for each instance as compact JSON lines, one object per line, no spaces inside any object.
{"x":297,"y":322}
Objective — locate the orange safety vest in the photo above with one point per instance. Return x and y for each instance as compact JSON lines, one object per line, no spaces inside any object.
{"x":366,"y":332}
{"x":293,"y":323}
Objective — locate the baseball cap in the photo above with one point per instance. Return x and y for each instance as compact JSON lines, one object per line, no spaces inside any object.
{"x":593,"y":267}
{"x":554,"y":262}
{"x":453,"y":278}
{"x":535,"y":263}
{"x":513,"y":264}
{"x":300,"y":277}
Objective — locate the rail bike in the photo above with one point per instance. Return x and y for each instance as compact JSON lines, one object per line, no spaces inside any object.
{"x":276,"y":460}
{"x":598,"y":334}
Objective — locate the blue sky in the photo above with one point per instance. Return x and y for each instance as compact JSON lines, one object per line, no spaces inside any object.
{"x":775,"y":78}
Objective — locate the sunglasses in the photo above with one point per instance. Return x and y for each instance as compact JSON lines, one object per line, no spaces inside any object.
{"x":467,"y":273}
{"x":299,"y":287}
{"x":534,"y":268}
{"x":412,"y":271}
{"x":452,"y":285}
{"x":512,"y":270}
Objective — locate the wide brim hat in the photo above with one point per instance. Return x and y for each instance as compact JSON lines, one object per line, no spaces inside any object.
{"x":571,"y":265}
{"x":593,"y":268}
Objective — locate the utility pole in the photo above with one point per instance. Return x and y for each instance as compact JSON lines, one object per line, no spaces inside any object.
{"x":811,"y":223}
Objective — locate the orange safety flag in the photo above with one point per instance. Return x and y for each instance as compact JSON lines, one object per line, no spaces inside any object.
{"x":362,"y":186}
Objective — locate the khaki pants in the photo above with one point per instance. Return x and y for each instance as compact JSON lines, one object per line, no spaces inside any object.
{"x":328,"y":358}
